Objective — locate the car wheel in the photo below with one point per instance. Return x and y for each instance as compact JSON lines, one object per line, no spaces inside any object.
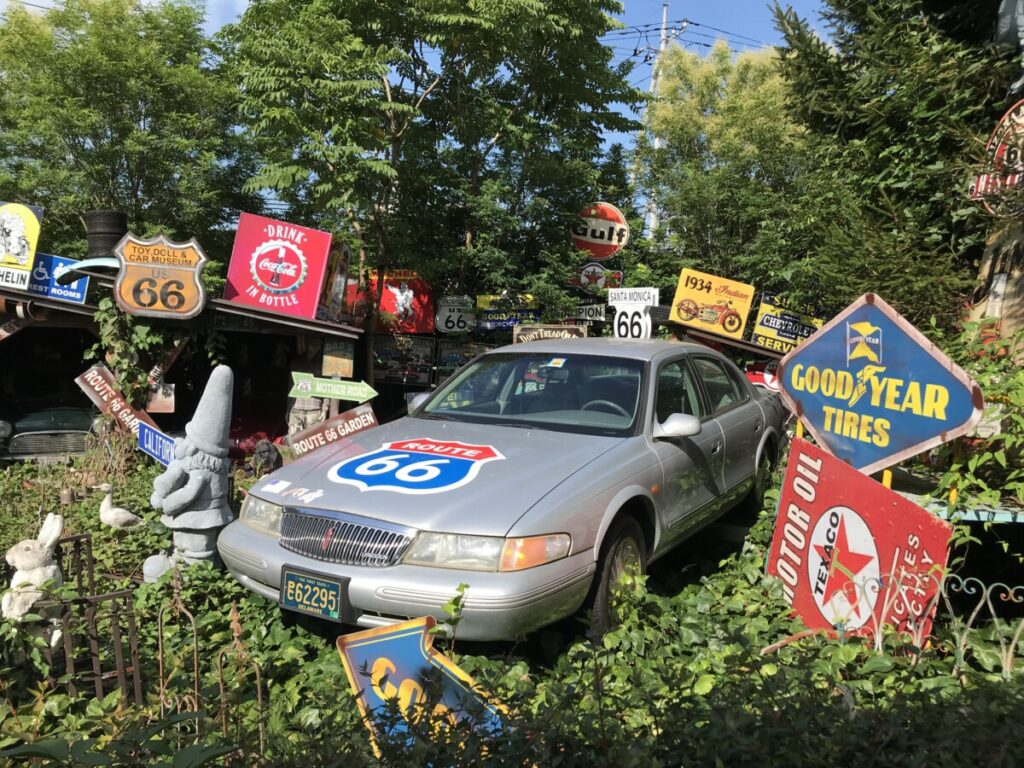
{"x":624,"y":548}
{"x":754,"y":501}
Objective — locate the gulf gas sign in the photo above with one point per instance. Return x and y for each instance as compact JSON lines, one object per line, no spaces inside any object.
{"x":873,"y":390}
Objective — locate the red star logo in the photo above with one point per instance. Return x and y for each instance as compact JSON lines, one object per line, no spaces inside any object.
{"x":843,"y":566}
{"x":592,"y":277}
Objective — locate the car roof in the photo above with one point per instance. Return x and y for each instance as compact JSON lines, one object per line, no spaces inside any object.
{"x":634,"y":349}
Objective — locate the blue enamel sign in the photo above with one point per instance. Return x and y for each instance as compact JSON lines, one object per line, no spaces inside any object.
{"x":43,"y":279}
{"x":873,"y":391}
{"x":397,"y":664}
{"x":415,"y":466}
{"x":155,"y":443}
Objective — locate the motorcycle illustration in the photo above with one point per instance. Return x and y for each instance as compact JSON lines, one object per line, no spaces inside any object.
{"x":712,"y":314}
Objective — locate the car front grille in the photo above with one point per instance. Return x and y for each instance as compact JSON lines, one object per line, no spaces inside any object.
{"x":342,"y":541}
{"x":41,"y":443}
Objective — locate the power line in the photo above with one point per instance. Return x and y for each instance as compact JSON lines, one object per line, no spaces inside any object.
{"x":681,"y":24}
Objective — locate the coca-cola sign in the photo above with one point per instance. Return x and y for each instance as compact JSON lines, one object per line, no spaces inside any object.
{"x":277,"y":266}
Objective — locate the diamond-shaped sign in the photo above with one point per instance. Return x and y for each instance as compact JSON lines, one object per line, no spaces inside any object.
{"x":873,"y":391}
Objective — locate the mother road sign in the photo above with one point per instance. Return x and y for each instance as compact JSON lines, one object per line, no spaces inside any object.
{"x":874,"y":391}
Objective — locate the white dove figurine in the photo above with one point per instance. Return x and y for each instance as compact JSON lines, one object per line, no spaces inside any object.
{"x":115,"y":517}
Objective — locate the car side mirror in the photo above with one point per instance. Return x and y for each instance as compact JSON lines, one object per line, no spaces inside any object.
{"x":677,"y":425}
{"x":416,"y":401}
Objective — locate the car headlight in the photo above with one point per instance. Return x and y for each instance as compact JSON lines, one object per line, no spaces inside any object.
{"x":519,"y":554}
{"x":485,"y":553}
{"x":262,"y":515}
{"x":5,"y":430}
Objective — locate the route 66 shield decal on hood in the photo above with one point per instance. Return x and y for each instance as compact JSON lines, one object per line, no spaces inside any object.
{"x":415,"y":466}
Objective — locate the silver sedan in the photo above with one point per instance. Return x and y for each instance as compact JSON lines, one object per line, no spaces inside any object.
{"x":536,"y":474}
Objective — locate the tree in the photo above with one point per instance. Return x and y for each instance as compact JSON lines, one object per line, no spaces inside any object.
{"x":120,"y":104}
{"x":898,"y":107}
{"x":728,"y":177}
{"x":454,"y":138}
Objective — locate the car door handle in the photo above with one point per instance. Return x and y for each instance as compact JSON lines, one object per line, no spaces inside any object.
{"x":757,"y":427}
{"x":716,"y":449}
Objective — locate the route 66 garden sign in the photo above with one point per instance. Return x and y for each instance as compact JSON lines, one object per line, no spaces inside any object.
{"x":417,"y":466}
{"x":159,"y":278}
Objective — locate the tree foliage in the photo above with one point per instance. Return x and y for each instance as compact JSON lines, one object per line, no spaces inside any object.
{"x":450,"y":137}
{"x":727,"y":173}
{"x":119,"y":104}
{"x":898,"y":107}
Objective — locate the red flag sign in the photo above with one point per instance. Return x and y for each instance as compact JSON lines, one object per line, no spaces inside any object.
{"x":851,"y":553}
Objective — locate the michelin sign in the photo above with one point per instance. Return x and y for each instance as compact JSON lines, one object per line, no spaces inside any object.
{"x":874,"y":391}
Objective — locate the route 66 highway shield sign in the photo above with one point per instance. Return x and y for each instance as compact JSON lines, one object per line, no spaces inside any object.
{"x":159,"y":278}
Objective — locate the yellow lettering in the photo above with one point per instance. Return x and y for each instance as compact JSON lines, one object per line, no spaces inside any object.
{"x":881,"y":435}
{"x":828,"y":382}
{"x":912,"y":400}
{"x":844,"y":385}
{"x":409,"y":692}
{"x":936,"y":398}
{"x":381,"y":670}
{"x":865,"y":429}
{"x":877,"y":387}
{"x":892,"y":393}
{"x":850,"y":424}
{"x":829,"y":413}
{"x":794,"y":377}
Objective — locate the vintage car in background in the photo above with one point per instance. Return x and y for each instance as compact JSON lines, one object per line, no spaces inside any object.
{"x":44,"y":431}
{"x":536,"y":474}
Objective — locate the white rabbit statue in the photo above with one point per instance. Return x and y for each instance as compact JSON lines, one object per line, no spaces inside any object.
{"x":35,"y":564}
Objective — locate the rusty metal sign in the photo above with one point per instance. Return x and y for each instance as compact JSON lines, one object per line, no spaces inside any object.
{"x":159,"y":278}
{"x":873,"y":391}
{"x":98,"y":385}
{"x":334,"y":429}
{"x":852,"y":554}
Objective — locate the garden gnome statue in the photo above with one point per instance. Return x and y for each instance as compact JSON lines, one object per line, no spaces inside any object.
{"x":192,"y":491}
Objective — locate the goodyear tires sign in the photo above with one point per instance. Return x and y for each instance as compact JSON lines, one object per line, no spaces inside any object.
{"x":873,"y":390}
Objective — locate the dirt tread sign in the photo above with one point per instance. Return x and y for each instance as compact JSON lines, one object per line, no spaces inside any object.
{"x":874,"y":391}
{"x":159,"y":278}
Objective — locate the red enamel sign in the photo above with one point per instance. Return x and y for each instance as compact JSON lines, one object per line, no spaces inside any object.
{"x":277,"y":266}
{"x":851,"y":553}
{"x":601,"y":230}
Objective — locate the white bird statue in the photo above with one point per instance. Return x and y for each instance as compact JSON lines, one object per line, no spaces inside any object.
{"x":115,"y":517}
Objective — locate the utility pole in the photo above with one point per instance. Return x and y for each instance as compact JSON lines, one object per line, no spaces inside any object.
{"x":652,"y":219}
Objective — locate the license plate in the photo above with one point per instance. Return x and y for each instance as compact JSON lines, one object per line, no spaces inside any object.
{"x":311,"y":593}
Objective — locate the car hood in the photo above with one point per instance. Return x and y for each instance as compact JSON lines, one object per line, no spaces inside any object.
{"x":51,"y":419}
{"x":485,"y":497}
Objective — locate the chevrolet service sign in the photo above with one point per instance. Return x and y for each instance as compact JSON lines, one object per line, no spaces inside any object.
{"x":874,"y":391}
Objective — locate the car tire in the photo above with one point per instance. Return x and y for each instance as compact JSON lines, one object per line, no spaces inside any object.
{"x":624,"y":544}
{"x":753,"y":502}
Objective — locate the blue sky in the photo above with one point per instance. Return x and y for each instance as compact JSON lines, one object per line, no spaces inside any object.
{"x":744,"y":24}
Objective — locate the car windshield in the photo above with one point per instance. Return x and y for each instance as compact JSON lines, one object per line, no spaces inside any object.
{"x":589,"y":394}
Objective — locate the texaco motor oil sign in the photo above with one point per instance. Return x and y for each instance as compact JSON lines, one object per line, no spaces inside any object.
{"x":851,"y":553}
{"x":277,"y":266}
